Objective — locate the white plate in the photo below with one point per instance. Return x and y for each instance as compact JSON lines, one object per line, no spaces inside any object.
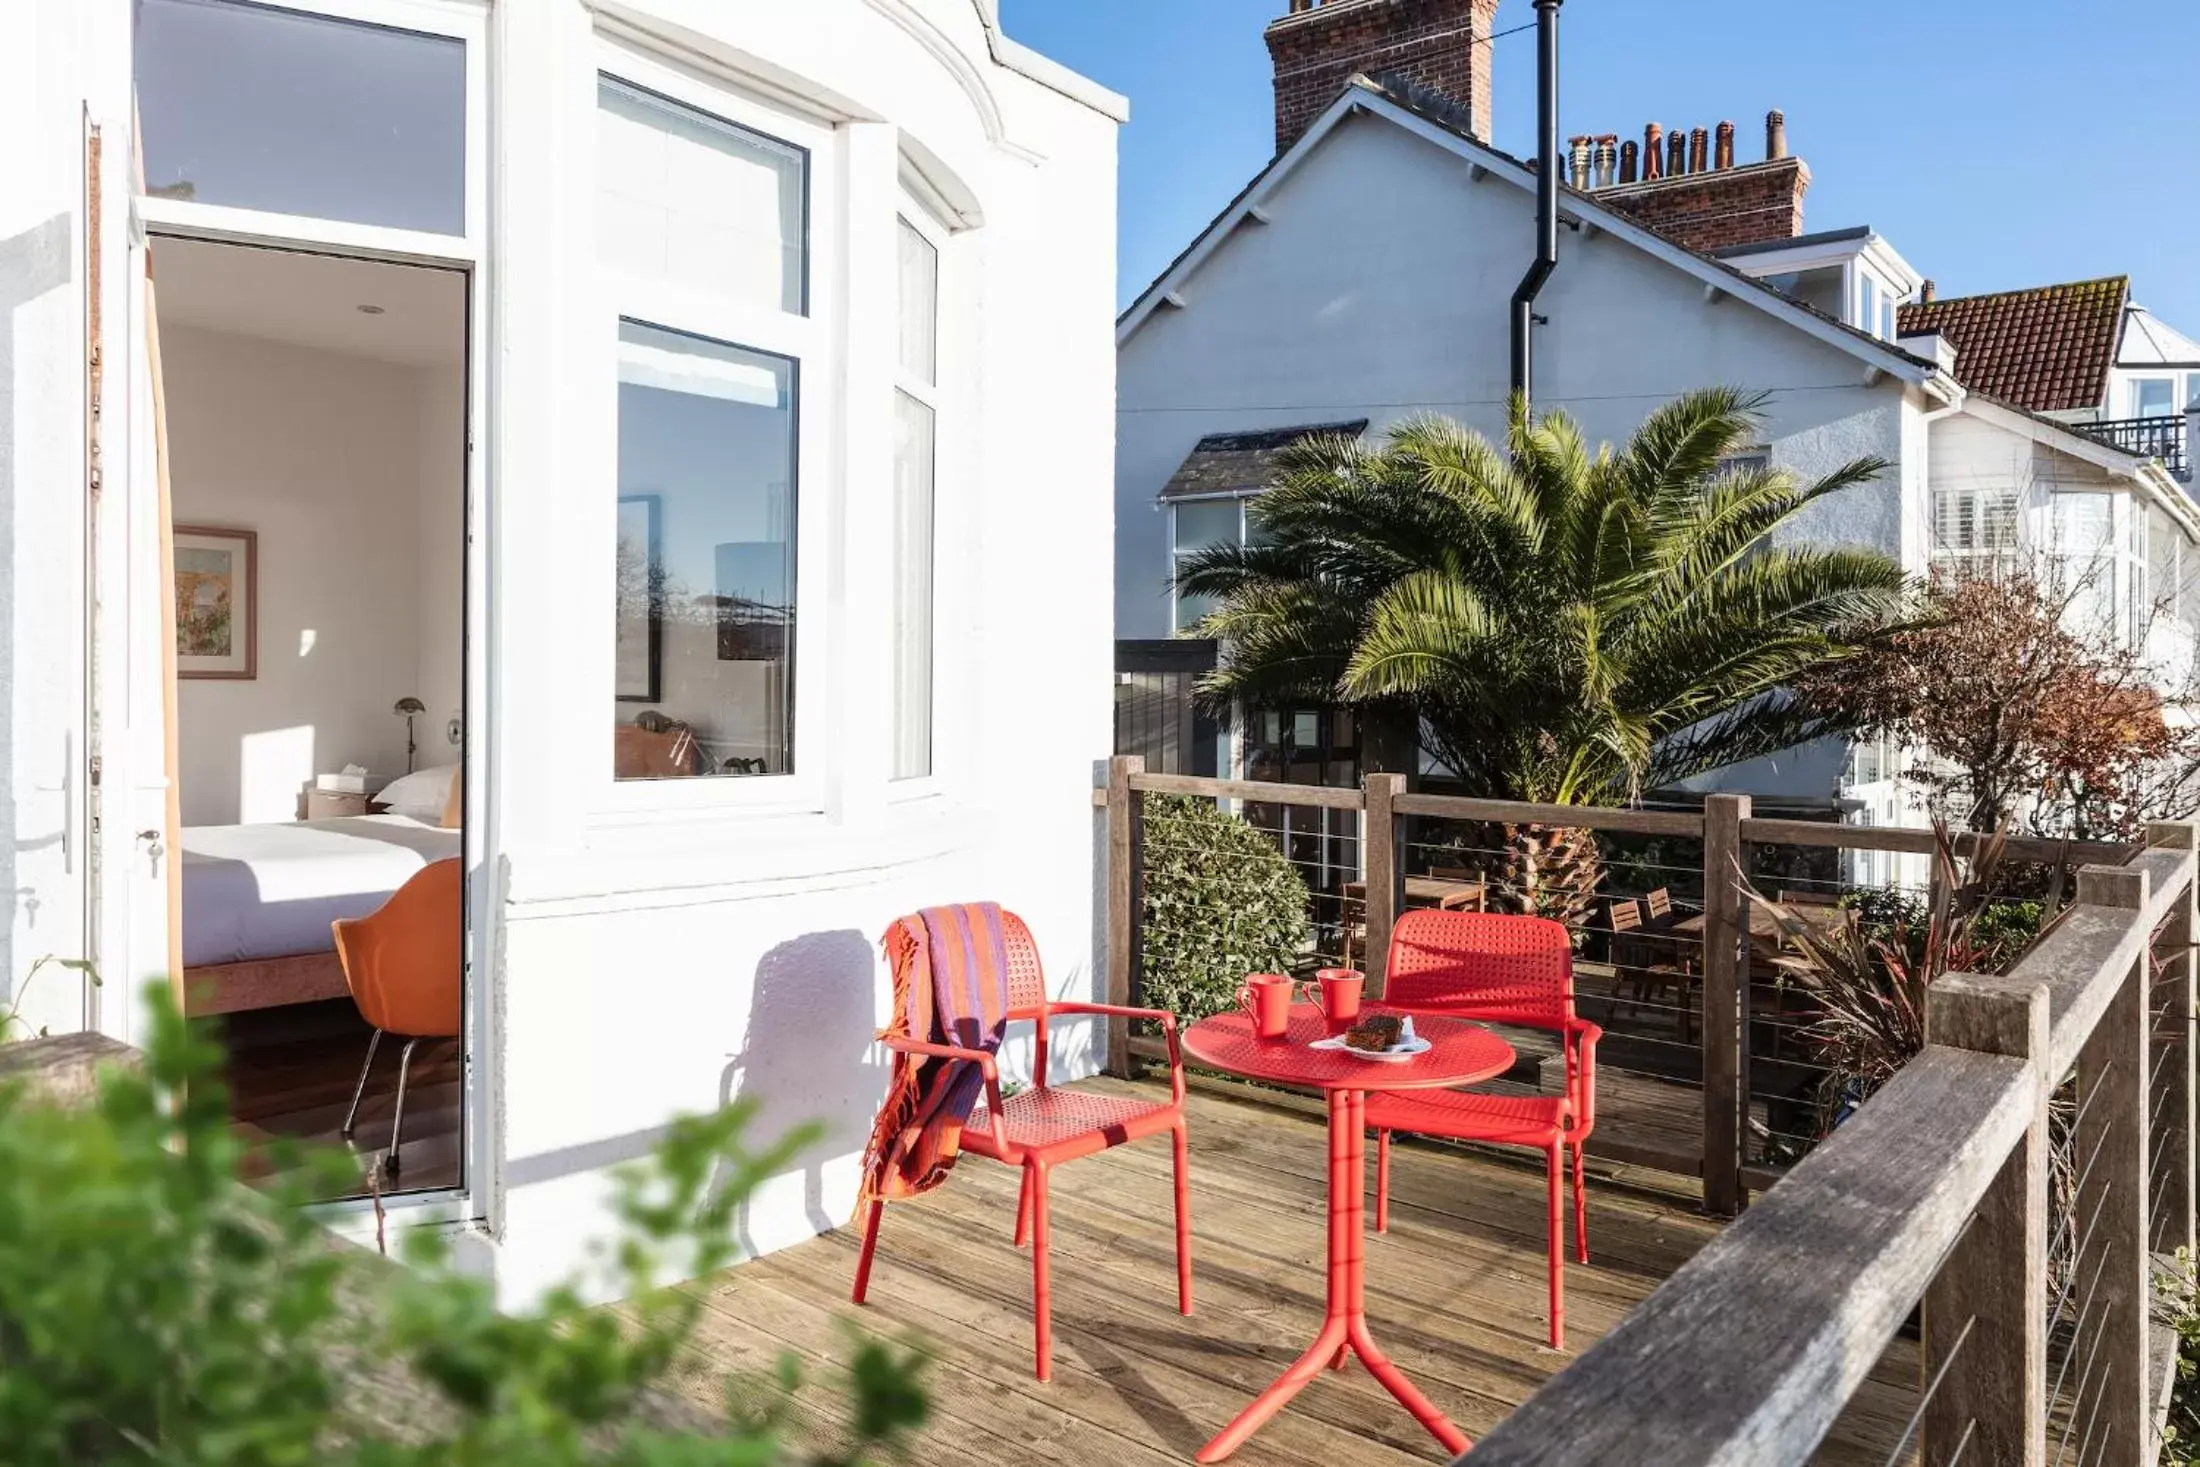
{"x":1405,"y":1049}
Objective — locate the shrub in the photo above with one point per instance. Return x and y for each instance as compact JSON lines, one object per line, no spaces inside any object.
{"x":1221,"y":902}
{"x":154,"y":1310}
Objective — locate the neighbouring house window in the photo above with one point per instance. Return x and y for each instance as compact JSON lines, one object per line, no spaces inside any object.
{"x":255,"y":107}
{"x":2085,"y":561}
{"x":1976,"y":523}
{"x":704,"y":253}
{"x":2153,"y":397}
{"x":1867,"y":313}
{"x":1886,"y":317}
{"x":915,"y":419}
{"x":1748,"y":461}
{"x":1197,"y":524}
{"x":2192,"y":389}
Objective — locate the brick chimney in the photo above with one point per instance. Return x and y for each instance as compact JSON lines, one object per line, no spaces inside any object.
{"x":1442,"y":45}
{"x":1707,"y":202}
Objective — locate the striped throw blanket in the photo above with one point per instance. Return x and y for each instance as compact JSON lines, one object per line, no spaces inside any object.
{"x":950,"y":987}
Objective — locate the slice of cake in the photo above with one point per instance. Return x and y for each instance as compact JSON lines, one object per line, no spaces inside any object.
{"x":1376,"y":1032}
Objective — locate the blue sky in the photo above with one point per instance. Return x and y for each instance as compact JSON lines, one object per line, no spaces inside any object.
{"x":1995,"y":145}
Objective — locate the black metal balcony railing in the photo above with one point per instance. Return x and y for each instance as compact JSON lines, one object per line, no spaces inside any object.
{"x":2162,"y":438}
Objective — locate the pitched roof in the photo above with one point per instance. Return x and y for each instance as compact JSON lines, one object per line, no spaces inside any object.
{"x":1414,"y":104}
{"x":2149,"y":341}
{"x":1232,"y":463}
{"x":2048,"y":349}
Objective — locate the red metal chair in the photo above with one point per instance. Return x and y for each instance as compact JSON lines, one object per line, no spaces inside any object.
{"x":1506,"y":970}
{"x":1041,"y":1127}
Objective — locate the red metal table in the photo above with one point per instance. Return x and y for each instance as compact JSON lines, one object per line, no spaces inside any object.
{"x":1460,"y":1053}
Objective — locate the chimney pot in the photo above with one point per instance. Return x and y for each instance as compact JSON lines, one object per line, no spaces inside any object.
{"x":1927,"y":291}
{"x":1725,"y":155}
{"x":1580,"y":150}
{"x":1676,"y":153}
{"x":1699,"y":150}
{"x":1629,"y":160}
{"x":1607,"y":157}
{"x":1776,"y":135}
{"x":1653,"y":152}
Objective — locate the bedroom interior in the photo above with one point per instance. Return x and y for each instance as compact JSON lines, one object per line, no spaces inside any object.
{"x":315,"y":410}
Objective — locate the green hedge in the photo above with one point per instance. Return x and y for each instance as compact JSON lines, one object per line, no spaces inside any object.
{"x":1221,"y":902}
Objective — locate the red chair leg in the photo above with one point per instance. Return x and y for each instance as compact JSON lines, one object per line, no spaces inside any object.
{"x":1042,"y":1302}
{"x":1382,"y":1181}
{"x":1023,"y":1211}
{"x":1581,"y":1212}
{"x":870,"y":1246}
{"x":1183,"y":1219}
{"x":1557,"y":1246}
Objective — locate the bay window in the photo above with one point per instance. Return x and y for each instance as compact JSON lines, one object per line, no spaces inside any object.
{"x":703,"y":246}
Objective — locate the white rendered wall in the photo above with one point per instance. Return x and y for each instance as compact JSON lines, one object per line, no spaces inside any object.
{"x":667,"y":948}
{"x":1380,"y":289}
{"x":328,"y":459}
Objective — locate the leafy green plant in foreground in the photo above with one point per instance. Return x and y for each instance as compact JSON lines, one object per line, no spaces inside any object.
{"x":153,"y":1310}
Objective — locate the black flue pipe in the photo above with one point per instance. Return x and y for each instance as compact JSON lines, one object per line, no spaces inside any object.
{"x":1546,"y":199}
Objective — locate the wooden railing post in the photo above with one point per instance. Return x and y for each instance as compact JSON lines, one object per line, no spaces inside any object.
{"x":1126,"y":902}
{"x":2117,"y":1413}
{"x":2175,"y":996}
{"x":1386,"y":877}
{"x":1986,"y":1310}
{"x":1725,"y":1024}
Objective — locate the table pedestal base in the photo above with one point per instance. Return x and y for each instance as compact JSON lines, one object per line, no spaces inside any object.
{"x":1345,"y":1330}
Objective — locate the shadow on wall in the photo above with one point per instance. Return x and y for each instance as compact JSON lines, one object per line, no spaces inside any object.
{"x":32,"y":263}
{"x":810,"y":1053}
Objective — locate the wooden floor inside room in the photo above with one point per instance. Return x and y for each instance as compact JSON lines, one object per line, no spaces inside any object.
{"x":291,"y":1071}
{"x":1456,"y":1295}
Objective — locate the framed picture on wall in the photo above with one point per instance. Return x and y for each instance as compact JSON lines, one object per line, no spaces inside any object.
{"x":638,"y":652}
{"x":217,"y":602}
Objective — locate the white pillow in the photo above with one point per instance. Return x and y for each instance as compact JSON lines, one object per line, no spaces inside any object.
{"x":422,"y":794}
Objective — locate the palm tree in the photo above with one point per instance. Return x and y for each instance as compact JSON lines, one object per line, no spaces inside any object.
{"x":1551,"y":624}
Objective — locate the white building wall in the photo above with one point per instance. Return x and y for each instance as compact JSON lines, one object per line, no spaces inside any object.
{"x":659,"y":954}
{"x":1381,"y":289}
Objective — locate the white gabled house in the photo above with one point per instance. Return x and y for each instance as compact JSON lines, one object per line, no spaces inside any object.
{"x":1363,"y":276}
{"x":617,"y":411}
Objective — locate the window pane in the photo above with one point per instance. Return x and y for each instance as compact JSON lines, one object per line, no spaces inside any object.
{"x":2152,"y":397}
{"x":1867,"y":315}
{"x":912,"y":587}
{"x":706,"y":583}
{"x":259,"y":108}
{"x":920,"y":299}
{"x":695,"y":202}
{"x":2192,"y":390}
{"x":1191,"y":609}
{"x":1205,"y":522}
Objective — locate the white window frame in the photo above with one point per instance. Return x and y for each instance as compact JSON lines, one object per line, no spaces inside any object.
{"x":1243,"y":497}
{"x":1868,"y":291}
{"x":2137,"y":380}
{"x":452,"y":19}
{"x":945,"y":401}
{"x":466,"y":21}
{"x":810,"y":341}
{"x":1977,"y":500}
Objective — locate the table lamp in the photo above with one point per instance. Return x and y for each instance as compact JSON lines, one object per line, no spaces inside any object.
{"x":409,"y":708}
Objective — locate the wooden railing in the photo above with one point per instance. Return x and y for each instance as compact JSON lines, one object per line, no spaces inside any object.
{"x":1729,"y":836}
{"x":2039,"y":1340}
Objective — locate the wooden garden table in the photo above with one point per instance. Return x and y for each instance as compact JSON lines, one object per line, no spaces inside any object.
{"x":1460,"y":1053}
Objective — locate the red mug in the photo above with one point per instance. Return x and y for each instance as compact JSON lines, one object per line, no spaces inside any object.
{"x":1336,"y":991}
{"x":1266,"y":1000}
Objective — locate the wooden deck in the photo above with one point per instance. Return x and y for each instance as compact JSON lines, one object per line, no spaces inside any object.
{"x":1455,"y":1294}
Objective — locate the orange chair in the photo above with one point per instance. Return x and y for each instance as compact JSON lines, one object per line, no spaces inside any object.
{"x":403,"y":965}
{"x":1507,"y":970}
{"x":1041,"y":1127}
